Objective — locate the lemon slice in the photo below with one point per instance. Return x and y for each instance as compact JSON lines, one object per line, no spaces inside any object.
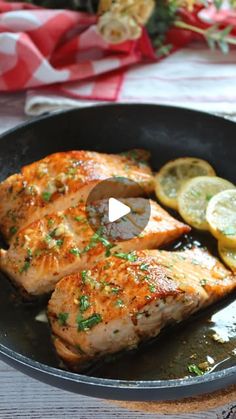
{"x":195,"y":195}
{"x":173,"y":174}
{"x":221,"y":217}
{"x":228,"y":255}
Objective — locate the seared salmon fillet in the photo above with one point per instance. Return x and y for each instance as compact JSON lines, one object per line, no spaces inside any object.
{"x":63,"y":242}
{"x":122,"y":301}
{"x":61,"y":180}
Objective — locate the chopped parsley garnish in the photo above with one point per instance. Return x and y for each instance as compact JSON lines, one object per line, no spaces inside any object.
{"x":88,"y":323}
{"x":29,"y":252}
{"x":25,"y":267}
{"x":89,"y":246}
{"x":84,"y":303}
{"x":84,"y":275}
{"x":50,"y":222}
{"x":152,"y":288}
{"x":131,"y":257}
{"x":75,"y":251}
{"x":13,"y":230}
{"x":108,"y":250}
{"x":144,"y":267}
{"x":71,"y":171}
{"x":79,"y":218}
{"x":46,"y":196}
{"x":96,"y":238}
{"x":104,"y":241}
{"x":62,"y":318}
{"x":194,"y":369}
{"x":115,"y":290}
{"x":59,"y":242}
{"x":47,"y":238}
{"x":119,"y":303}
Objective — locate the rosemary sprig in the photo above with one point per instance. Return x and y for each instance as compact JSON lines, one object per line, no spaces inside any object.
{"x":214,"y":36}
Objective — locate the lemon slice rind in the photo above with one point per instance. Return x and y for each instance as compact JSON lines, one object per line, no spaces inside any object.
{"x":221,"y":217}
{"x":228,"y":255}
{"x":194,"y":197}
{"x":171,"y":177}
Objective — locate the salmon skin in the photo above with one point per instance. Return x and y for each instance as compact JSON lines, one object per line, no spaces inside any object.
{"x":63,"y":242}
{"x":124,"y":300}
{"x":64,"y":179}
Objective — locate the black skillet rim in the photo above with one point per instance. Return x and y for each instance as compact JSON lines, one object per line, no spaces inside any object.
{"x":189,"y":386}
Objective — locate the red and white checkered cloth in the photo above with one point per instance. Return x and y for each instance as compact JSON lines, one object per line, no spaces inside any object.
{"x":41,"y":47}
{"x":62,"y":49}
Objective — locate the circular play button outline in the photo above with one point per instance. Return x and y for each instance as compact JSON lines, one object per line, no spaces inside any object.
{"x":117,"y":206}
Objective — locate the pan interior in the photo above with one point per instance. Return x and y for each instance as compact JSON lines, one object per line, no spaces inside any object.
{"x":167,"y":133}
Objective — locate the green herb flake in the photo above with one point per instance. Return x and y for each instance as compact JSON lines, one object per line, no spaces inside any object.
{"x":144,"y":267}
{"x":25,"y":267}
{"x":115,"y":290}
{"x":80,"y":219}
{"x":46,"y":196}
{"x":62,"y":318}
{"x":131,"y":257}
{"x":47,"y":238}
{"x":84,"y":303}
{"x":95,"y":239}
{"x":108,"y":250}
{"x":29,"y":252}
{"x":152,"y":288}
{"x":119,"y":303}
{"x":71,"y":171}
{"x":75,"y":251}
{"x":50,"y":222}
{"x":59,"y":242}
{"x":84,"y":275}
{"x":194,"y":369}
{"x":13,"y":230}
{"x":89,"y":323}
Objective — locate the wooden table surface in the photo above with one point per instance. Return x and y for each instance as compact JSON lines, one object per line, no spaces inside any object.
{"x":24,"y":397}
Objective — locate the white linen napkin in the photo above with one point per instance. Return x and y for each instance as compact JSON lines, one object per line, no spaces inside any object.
{"x":193,"y":77}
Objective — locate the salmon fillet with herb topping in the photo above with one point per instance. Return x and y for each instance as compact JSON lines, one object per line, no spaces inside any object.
{"x":63,"y":242}
{"x":129,"y":298}
{"x":63,"y":179}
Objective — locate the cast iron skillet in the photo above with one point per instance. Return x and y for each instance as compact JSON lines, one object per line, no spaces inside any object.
{"x":157,"y":371}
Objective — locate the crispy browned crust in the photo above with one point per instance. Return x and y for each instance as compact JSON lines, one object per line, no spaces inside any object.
{"x":173,"y":279}
{"x":53,"y":245}
{"x":69,"y":176}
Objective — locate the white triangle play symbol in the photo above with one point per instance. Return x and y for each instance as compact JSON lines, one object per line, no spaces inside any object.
{"x":116,"y":210}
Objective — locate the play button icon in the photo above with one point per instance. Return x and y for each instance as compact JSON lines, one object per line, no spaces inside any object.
{"x":117,"y":210}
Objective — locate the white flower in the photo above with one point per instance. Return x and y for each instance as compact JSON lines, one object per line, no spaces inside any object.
{"x":116,"y":28}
